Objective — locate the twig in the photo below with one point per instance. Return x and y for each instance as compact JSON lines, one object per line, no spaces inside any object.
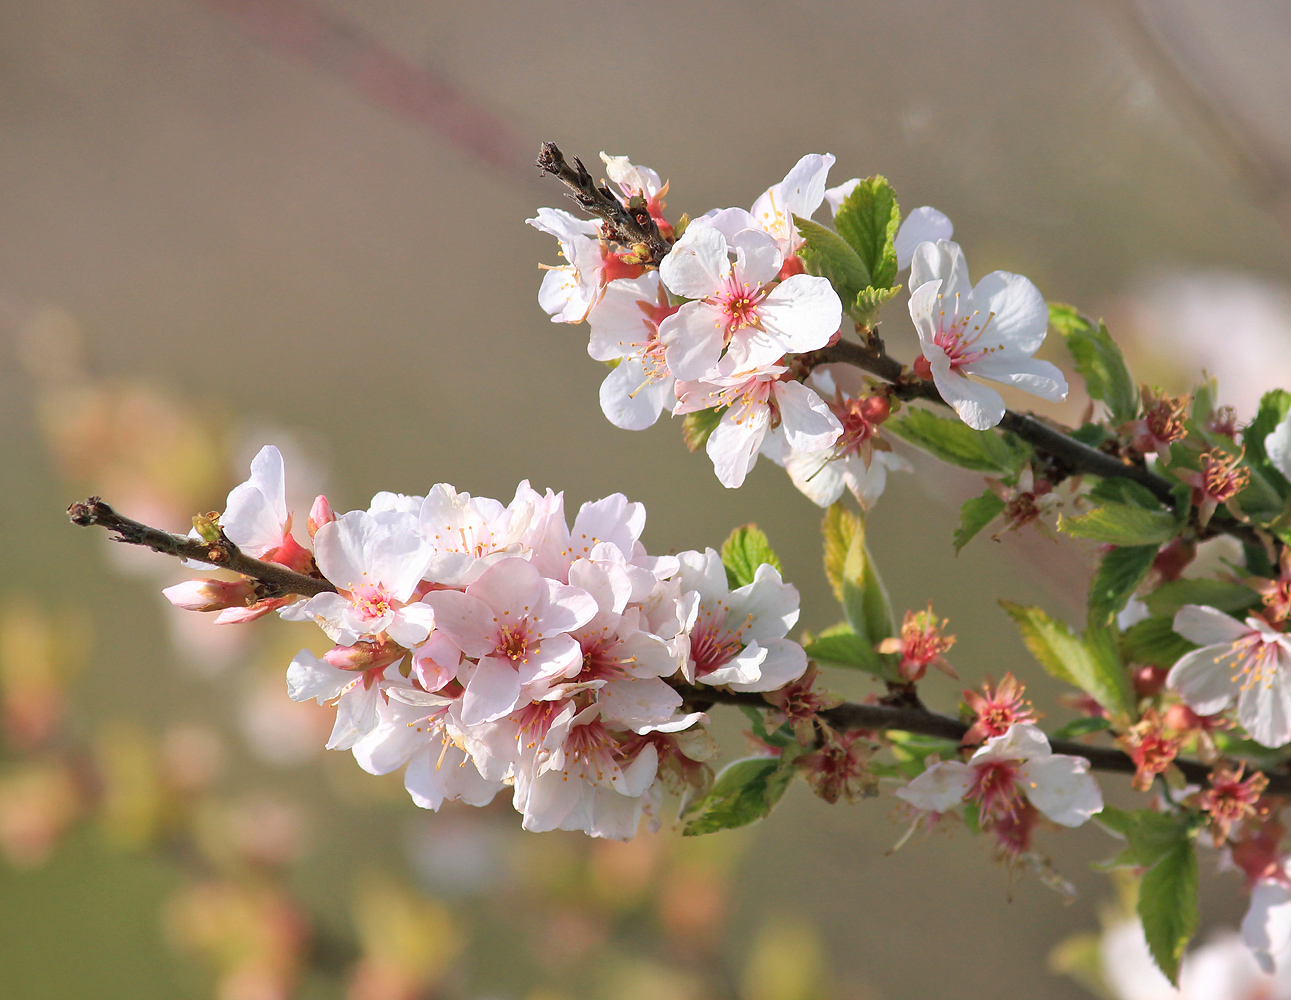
{"x":852,"y":716}
{"x":278,"y":580}
{"x":628,"y":227}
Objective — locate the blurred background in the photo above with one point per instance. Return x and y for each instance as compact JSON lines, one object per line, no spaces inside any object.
{"x":232,"y":222}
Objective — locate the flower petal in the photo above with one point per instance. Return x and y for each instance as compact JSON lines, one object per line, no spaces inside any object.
{"x":940,"y":788}
{"x":698,"y":263}
{"x":1061,"y":787}
{"x":1207,"y":626}
{"x":1019,"y":316}
{"x":1037,"y":377}
{"x":923,"y":225}
{"x":1205,"y":685}
{"x":693,"y":337}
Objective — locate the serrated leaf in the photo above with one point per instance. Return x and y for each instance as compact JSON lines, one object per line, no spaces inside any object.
{"x":1273,"y":408}
{"x":743,"y":793}
{"x":848,"y":650}
{"x":869,"y":301}
{"x":955,"y":442}
{"x":1118,"y":489}
{"x":975,"y":515}
{"x":1119,"y":574}
{"x":1098,"y":360}
{"x":838,"y":528}
{"x":868,"y":220}
{"x":696,"y":427}
{"x":745,"y":549}
{"x":865,"y":600}
{"x":1091,"y":663}
{"x":828,"y":255}
{"x":1122,"y":524}
{"x":1154,"y":642}
{"x":1223,"y":595}
{"x":1168,"y":906}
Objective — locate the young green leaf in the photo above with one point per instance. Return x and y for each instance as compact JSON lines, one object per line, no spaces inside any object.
{"x":838,"y":529}
{"x":1154,"y":642}
{"x":1221,"y":594}
{"x":1168,"y":904}
{"x":1099,"y":362}
{"x":869,"y":301}
{"x":1091,"y":663}
{"x":842,"y":647}
{"x":868,"y":219}
{"x":865,"y":599}
{"x":696,"y":427}
{"x":955,"y":442}
{"x":745,"y":792}
{"x":1273,"y":408}
{"x":745,"y":549}
{"x":975,"y":515}
{"x":828,"y":255}
{"x":1119,"y":575}
{"x":1122,"y":524}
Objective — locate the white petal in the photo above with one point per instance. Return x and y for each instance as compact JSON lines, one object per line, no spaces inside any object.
{"x":941,"y":261}
{"x":802,"y":313}
{"x":492,"y":691}
{"x":1021,"y":741}
{"x":256,"y":510}
{"x":837,"y":195}
{"x":466,"y":620}
{"x":809,"y":424}
{"x":785,"y":661}
{"x":923,"y":225}
{"x":1266,"y":928}
{"x":1019,"y":316}
{"x":617,"y":322}
{"x":693,"y":337}
{"x":309,"y":677}
{"x":1205,"y":685}
{"x":979,"y":406}
{"x":1264,"y":709}
{"x":1207,"y":626}
{"x":1062,"y":788}
{"x":356,"y":716}
{"x":728,"y":221}
{"x":733,"y":446}
{"x":1278,"y":446}
{"x":630,"y":399}
{"x":757,"y":257}
{"x":698,"y":263}
{"x":1037,"y":377}
{"x":940,"y":788}
{"x":817,"y":474}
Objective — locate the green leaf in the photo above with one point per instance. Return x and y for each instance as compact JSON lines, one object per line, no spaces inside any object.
{"x":1168,"y":904}
{"x":828,"y":255}
{"x":838,"y":528}
{"x":955,"y":442}
{"x":1122,"y":524}
{"x":1220,"y":594}
{"x":782,"y":737}
{"x":1080,"y":727}
{"x":745,"y":549}
{"x":869,"y":301}
{"x":865,"y":600}
{"x":848,"y":650}
{"x":1273,"y":409}
{"x":1092,"y":663}
{"x":1098,"y":360}
{"x":1118,"y":489}
{"x":1154,"y":642}
{"x":975,"y":515}
{"x":745,"y":792}
{"x":868,"y":219}
{"x":696,"y":427}
{"x":1119,"y":575}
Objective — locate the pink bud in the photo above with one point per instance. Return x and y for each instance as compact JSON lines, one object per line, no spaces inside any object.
{"x":209,"y":595}
{"x":364,"y":655}
{"x":319,"y":515}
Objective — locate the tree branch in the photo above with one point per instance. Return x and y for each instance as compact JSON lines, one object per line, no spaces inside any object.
{"x":277,"y":579}
{"x":629,"y":227}
{"x":852,"y":715}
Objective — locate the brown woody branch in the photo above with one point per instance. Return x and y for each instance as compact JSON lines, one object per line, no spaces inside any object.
{"x":626,"y":225}
{"x":277,"y":579}
{"x":851,"y":716}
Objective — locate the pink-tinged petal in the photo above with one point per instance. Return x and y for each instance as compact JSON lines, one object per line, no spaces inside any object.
{"x":1037,"y":377}
{"x":742,"y":669}
{"x":1266,"y":928}
{"x":676,"y":725}
{"x":693,"y":338}
{"x":837,"y":195}
{"x":650,"y":655}
{"x":611,"y":816}
{"x":565,"y":608}
{"x":923,"y":225}
{"x":436,"y":661}
{"x":1206,"y":686}
{"x":1021,"y":741}
{"x":785,"y":662}
{"x":924,"y":307}
{"x":1208,"y":626}
{"x":636,"y":701}
{"x":309,"y":677}
{"x":614,"y":519}
{"x":550,"y":801}
{"x":412,"y":624}
{"x":1062,"y":788}
{"x":618,"y":325}
{"x":751,"y":351}
{"x":256,"y":510}
{"x":1019,"y":315}
{"x":460,"y":778}
{"x":729,"y":221}
{"x":341,"y":548}
{"x":941,"y":261}
{"x":492,"y":691}
{"x":512,"y":588}
{"x":640,"y":772}
{"x":703,"y":573}
{"x":399,"y":555}
{"x":356,"y":716}
{"x":940,"y":788}
{"x":1277,"y":445}
{"x":768,"y":607}
{"x":1264,"y":708}
{"x":467,"y":620}
{"x":556,"y":658}
{"x":608,"y":584}
{"x":733,"y":445}
{"x":631,"y":399}
{"x":401,"y":731}
{"x":802,"y":312}
{"x":697,"y":264}
{"x":979,"y":406}
{"x":809,"y":424}
{"x":757,"y":257}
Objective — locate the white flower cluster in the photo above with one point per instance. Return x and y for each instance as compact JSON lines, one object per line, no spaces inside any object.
{"x":489,"y":646}
{"x":716,"y":326}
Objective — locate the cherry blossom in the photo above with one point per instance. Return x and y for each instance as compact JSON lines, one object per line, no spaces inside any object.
{"x":738,"y":307}
{"x":1249,"y":663}
{"x":1216,"y":483}
{"x":625,"y":328}
{"x":1266,"y":928}
{"x":1004,"y":771}
{"x":357,"y":694}
{"x":737,"y":636}
{"x":639,"y":182}
{"x":991,"y":331}
{"x":800,"y":194}
{"x":569,"y":291}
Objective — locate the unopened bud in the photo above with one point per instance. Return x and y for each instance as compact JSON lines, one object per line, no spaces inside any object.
{"x":208,"y":526}
{"x":319,"y":515}
{"x":209,"y":595}
{"x":364,"y":655}
{"x":1148,"y":681}
{"x":876,"y":409}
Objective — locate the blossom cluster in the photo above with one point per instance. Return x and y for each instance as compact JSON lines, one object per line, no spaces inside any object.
{"x":489,"y":646}
{"x":727,"y":323}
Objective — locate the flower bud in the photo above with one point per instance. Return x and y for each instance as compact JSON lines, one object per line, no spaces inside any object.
{"x":876,"y":409}
{"x":1148,"y":681}
{"x":364,"y":655}
{"x":209,"y":595}
{"x":319,"y":515}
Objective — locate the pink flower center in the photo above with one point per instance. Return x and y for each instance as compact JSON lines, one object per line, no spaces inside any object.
{"x":746,"y":398}
{"x":712,"y":643}
{"x":513,"y":643}
{"x":995,"y":789}
{"x":957,"y":335}
{"x":739,"y":303}
{"x":372,"y":600}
